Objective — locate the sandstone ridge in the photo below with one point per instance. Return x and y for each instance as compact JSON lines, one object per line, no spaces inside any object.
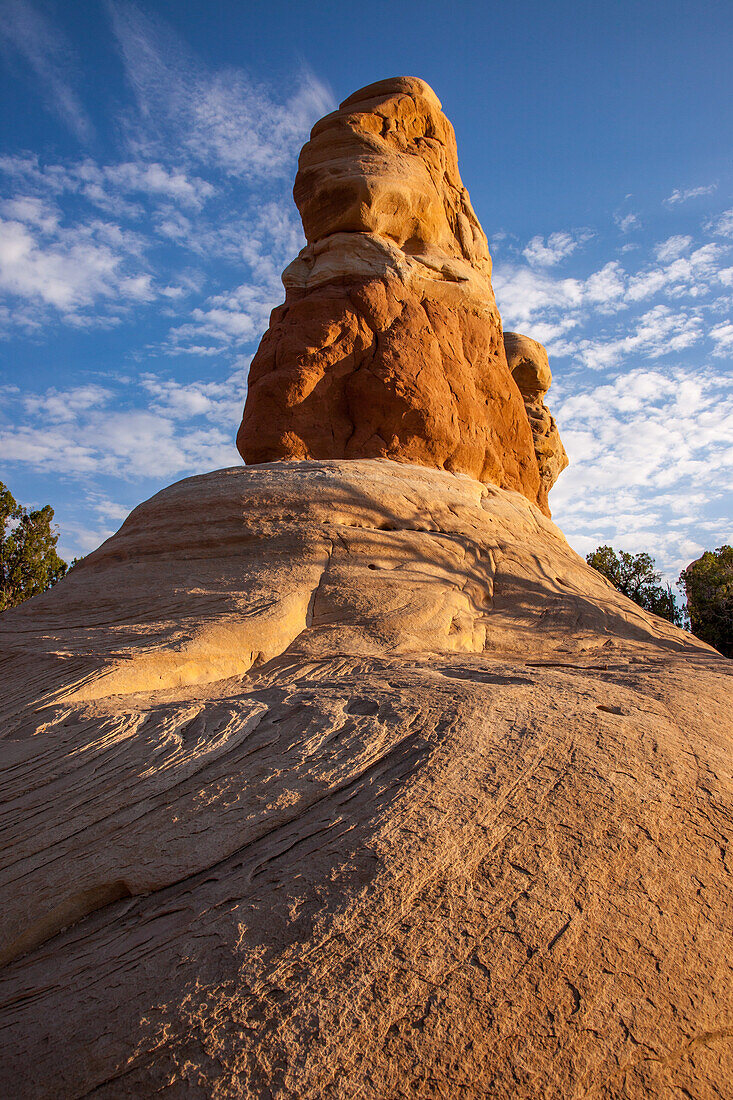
{"x":389,"y":343}
{"x":339,"y":778}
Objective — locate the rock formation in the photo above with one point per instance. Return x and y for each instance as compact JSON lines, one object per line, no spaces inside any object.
{"x":389,"y":343}
{"x":351,"y":778}
{"x":348,"y":777}
{"x":527,"y":360}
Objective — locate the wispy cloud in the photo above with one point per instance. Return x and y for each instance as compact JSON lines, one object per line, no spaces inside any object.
{"x":221,"y":118}
{"x":672,"y":248}
{"x":722,"y":336}
{"x":149,"y":179}
{"x":69,"y":269}
{"x":30,"y":35}
{"x":61,"y":406}
{"x":541,"y":303}
{"x":83,"y":242}
{"x":111,"y":435}
{"x":722,"y":226}
{"x":233,"y":318}
{"x":679,"y":196}
{"x":657,"y":332}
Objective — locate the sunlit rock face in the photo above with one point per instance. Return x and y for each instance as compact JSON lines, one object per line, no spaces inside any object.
{"x":530,"y":369}
{"x":389,"y":343}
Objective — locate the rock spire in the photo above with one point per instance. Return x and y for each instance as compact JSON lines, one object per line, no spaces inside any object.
{"x":389,"y":342}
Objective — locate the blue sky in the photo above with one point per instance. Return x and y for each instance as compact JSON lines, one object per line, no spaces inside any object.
{"x":147,"y":153}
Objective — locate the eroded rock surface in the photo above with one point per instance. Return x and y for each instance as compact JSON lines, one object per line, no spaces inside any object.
{"x":350,"y":778}
{"x":389,"y":343}
{"x":530,"y":367}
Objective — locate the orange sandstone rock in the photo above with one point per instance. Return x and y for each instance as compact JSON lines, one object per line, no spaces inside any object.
{"x":389,"y":343}
{"x":531,"y":371}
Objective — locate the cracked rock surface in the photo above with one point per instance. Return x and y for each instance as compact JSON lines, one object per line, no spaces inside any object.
{"x":352,"y":779}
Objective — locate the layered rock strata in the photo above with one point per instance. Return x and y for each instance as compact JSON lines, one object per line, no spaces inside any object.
{"x":530,"y":367}
{"x":351,"y":779}
{"x":389,"y":343}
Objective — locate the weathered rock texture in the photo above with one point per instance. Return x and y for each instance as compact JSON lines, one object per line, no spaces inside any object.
{"x":338,"y":779}
{"x":389,"y":343}
{"x":530,"y":367}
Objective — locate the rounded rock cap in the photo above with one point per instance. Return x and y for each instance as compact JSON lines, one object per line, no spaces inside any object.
{"x":393,"y":85}
{"x":528,"y":363}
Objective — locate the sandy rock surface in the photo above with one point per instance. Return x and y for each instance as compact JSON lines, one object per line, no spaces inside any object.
{"x":353,"y":779}
{"x":389,"y":342}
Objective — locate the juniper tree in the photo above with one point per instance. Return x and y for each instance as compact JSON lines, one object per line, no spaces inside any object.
{"x":29,"y":563}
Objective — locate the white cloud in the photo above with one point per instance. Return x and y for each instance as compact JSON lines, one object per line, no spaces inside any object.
{"x":722,"y":335}
{"x":85,"y":435}
{"x":44,"y":49}
{"x":62,"y":405}
{"x":86,"y":243}
{"x":69,"y":269}
{"x":679,"y":196}
{"x":107,"y":508}
{"x":524,"y":295}
{"x":220,"y":402}
{"x":105,"y":185}
{"x":653,"y":334}
{"x":690,"y":274}
{"x":537,"y":301}
{"x":642,"y":449}
{"x":627,"y":222}
{"x":78,"y":540}
{"x":32,"y":211}
{"x":151,"y":179}
{"x":672,"y":248}
{"x":68,"y":274}
{"x":237,"y":317}
{"x":556,"y":248}
{"x":104,"y":517}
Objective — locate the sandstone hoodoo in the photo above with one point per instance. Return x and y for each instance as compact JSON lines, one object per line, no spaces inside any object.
{"x":344,"y":776}
{"x":389,"y":343}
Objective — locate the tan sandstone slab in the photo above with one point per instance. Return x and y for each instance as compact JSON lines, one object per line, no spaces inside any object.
{"x":353,"y":779}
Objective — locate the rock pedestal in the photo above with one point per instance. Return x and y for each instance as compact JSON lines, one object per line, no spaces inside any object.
{"x":350,"y":778}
